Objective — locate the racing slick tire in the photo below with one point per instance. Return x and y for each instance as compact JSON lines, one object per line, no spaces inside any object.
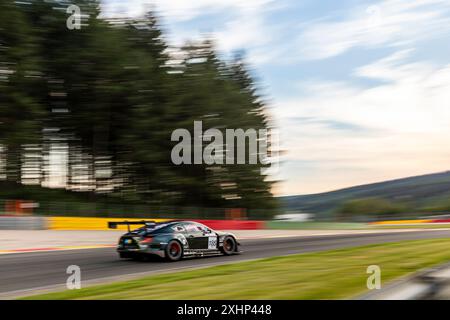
{"x":174,"y":251}
{"x":229,"y":246}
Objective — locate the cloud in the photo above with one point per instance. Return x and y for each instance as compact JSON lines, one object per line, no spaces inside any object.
{"x":182,"y":10}
{"x":413,"y":99}
{"x":329,"y":124}
{"x":244,"y":31}
{"x":397,"y":128}
{"x":393,"y":23}
{"x":244,"y":26}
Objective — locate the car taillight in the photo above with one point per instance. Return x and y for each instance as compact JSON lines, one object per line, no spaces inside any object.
{"x":147,"y":240}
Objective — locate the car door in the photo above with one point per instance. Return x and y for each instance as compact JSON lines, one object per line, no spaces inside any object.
{"x":212,"y":238}
{"x":196,"y":237}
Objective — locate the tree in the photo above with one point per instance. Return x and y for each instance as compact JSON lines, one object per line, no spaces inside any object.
{"x":20,"y":74}
{"x":108,"y":96}
{"x":371,"y":207}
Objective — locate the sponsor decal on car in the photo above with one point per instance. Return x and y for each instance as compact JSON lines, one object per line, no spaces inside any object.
{"x":212,"y":242}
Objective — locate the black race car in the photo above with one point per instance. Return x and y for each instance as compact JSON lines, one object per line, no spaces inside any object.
{"x":173,"y":240}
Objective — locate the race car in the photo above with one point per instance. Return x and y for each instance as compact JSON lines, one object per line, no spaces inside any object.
{"x":173,"y":240}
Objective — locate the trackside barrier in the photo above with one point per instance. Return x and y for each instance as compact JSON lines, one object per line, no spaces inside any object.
{"x":233,"y":224}
{"x":22,"y":223}
{"x":440,"y":221}
{"x":92,"y":223}
{"x":405,"y":222}
{"x":75,"y":223}
{"x":387,"y":222}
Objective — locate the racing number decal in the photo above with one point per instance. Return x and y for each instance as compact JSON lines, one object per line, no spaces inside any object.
{"x":212,"y":242}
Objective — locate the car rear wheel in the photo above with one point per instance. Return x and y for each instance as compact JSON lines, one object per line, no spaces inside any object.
{"x":229,"y":246}
{"x":174,"y":250}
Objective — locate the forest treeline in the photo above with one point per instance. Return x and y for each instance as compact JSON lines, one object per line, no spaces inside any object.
{"x":93,"y":109}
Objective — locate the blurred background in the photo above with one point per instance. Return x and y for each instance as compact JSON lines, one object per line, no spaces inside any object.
{"x":359,"y":92}
{"x":86,"y":117}
{"x":86,"y":114}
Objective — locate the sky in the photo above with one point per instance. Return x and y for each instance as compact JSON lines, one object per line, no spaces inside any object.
{"x":360,"y":90}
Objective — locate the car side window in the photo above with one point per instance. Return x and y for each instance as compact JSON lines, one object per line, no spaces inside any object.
{"x":191,"y":227}
{"x":203,"y":228}
{"x":179,"y":228}
{"x":161,"y":230}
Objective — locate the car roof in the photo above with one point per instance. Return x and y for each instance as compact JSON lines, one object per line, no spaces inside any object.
{"x":178,"y":221}
{"x":173,"y":222}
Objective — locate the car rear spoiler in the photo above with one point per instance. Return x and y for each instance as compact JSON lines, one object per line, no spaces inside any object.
{"x":114,"y":224}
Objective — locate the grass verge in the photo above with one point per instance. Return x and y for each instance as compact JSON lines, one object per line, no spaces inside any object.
{"x":332,"y":274}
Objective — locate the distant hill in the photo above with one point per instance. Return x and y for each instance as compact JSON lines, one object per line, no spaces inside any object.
{"x":418,"y":192}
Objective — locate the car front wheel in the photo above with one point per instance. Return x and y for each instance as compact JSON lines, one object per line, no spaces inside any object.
{"x":229,"y":246}
{"x":174,"y":250}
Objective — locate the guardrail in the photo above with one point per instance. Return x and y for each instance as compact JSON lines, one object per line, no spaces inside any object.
{"x":131,"y":210}
{"x":23,"y":223}
{"x":85,"y":223}
{"x":407,"y":222}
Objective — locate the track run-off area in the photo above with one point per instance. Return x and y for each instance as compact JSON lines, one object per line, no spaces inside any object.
{"x":36,"y":272}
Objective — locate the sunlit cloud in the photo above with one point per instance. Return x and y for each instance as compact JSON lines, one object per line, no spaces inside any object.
{"x":392,"y":23}
{"x":394,"y":129}
{"x":181,"y":10}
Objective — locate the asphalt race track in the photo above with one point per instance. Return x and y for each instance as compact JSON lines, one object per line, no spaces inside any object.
{"x":24,"y":273}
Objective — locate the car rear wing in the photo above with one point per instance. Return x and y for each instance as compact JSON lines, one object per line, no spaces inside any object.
{"x":114,"y":224}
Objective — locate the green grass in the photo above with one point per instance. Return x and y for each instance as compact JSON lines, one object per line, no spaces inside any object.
{"x":332,"y":274}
